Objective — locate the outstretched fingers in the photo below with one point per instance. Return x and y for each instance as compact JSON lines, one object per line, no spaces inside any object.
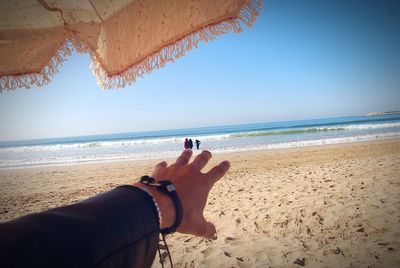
{"x":201,"y":160}
{"x":218,"y":171}
{"x":184,"y":158}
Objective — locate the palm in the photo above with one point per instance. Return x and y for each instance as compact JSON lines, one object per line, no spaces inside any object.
{"x":193,"y":187}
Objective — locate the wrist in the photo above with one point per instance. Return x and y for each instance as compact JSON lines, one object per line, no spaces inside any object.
{"x":165,"y":204}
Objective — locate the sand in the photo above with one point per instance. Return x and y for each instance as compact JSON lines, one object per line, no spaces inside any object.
{"x":325,"y":206}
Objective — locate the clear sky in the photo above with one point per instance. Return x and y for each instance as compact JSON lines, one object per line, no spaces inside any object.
{"x":301,"y":60}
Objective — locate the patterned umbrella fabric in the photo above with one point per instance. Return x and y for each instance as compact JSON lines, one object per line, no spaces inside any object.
{"x":125,"y":38}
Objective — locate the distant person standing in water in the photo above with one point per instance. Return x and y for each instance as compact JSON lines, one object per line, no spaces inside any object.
{"x":190,"y":144}
{"x":197,"y":144}
{"x":186,"y":144}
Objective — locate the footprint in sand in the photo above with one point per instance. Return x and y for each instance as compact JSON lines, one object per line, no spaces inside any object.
{"x":229,"y":239}
{"x":238,"y":221}
{"x":207,"y":251}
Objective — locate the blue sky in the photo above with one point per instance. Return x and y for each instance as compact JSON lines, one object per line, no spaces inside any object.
{"x":301,"y":60}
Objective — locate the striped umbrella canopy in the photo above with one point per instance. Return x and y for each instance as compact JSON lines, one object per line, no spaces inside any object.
{"x":125,"y":38}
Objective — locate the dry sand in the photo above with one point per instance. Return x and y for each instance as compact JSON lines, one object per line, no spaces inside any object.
{"x":326,"y":206}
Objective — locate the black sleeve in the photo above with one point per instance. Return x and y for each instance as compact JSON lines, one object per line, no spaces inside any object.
{"x":116,"y":229}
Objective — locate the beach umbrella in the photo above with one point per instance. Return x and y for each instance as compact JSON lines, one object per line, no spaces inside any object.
{"x":125,"y":38}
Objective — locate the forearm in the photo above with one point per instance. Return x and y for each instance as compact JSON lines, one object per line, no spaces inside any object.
{"x":107,"y":230}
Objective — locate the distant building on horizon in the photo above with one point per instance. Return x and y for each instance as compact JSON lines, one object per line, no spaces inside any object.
{"x":382,"y":113}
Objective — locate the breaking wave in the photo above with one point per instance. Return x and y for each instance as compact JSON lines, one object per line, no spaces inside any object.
{"x":314,"y":130}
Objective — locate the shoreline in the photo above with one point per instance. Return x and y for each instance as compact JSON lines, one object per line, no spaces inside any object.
{"x":227,"y":152}
{"x":333,"y":205}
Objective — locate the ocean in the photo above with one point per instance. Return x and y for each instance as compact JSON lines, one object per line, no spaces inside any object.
{"x":219,"y":139}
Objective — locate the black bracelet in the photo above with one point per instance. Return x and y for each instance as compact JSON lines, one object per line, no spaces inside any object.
{"x":167,"y":187}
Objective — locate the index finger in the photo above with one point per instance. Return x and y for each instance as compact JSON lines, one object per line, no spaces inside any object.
{"x":218,"y":171}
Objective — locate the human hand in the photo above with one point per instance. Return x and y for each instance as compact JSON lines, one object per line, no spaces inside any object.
{"x":193,"y":188}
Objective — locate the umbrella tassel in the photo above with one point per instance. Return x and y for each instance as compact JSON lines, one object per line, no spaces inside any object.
{"x":250,"y":11}
{"x":42,"y":78}
{"x":170,"y":52}
{"x":176,"y":49}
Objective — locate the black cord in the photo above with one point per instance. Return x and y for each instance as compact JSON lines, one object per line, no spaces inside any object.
{"x":159,"y":256}
{"x":168,"y":188}
{"x":168,"y":253}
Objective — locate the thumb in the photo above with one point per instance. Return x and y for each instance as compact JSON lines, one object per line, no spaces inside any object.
{"x":210,"y":231}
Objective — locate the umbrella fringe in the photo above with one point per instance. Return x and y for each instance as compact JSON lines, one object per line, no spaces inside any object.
{"x":168,"y":53}
{"x":42,"y":78}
